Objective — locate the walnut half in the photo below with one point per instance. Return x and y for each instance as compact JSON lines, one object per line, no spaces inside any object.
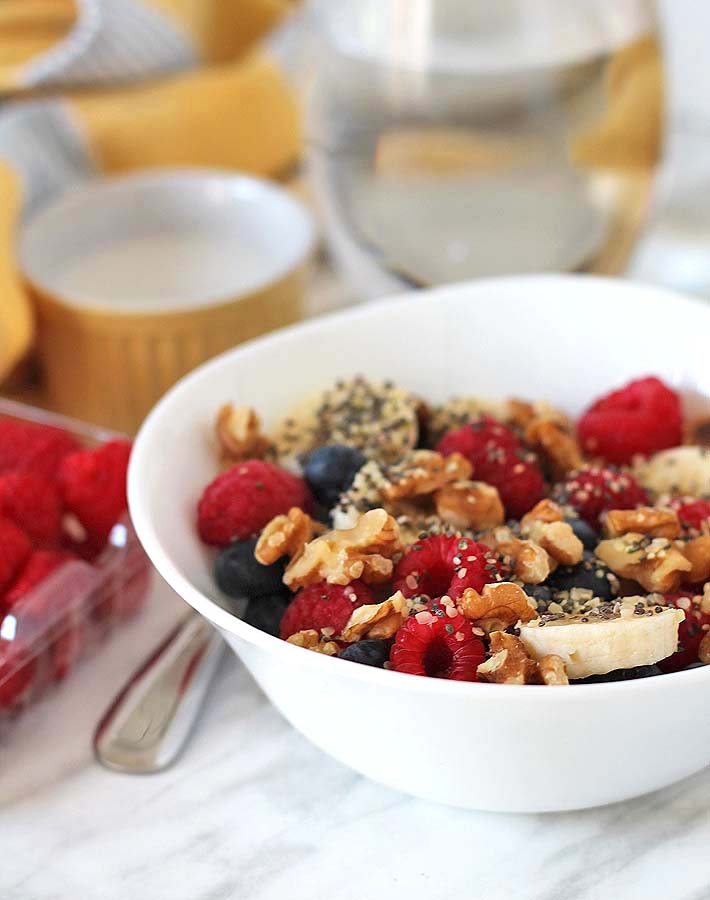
{"x":423,"y":472}
{"x":557,"y":446}
{"x":529,"y":561}
{"x":311,"y":640}
{"x":509,"y":662}
{"x":697,"y":552}
{"x":553,"y":670}
{"x":558,"y":539}
{"x":471,"y":505}
{"x":364,"y":552}
{"x":377,"y":620}
{"x":648,"y":520}
{"x":239,"y":434}
{"x":656,"y":563}
{"x":286,"y":536}
{"x":498,"y":606}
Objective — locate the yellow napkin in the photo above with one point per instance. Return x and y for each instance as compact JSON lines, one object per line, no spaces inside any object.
{"x":237,"y":112}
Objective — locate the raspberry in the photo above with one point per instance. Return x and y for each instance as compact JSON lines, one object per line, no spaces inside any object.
{"x":478,"y":439}
{"x":445,"y":565}
{"x":15,"y":547}
{"x":592,"y":491}
{"x":17,"y":671}
{"x":694,"y":515}
{"x":33,"y":504}
{"x":690,"y":632}
{"x":240,"y":501}
{"x":438,"y":643}
{"x":93,"y":486}
{"x":324,"y":606}
{"x":39,"y":566}
{"x":27,"y":447}
{"x":640,"y":418}
{"x":498,"y":458}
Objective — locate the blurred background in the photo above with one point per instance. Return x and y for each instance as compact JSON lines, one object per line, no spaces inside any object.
{"x":181,"y":175}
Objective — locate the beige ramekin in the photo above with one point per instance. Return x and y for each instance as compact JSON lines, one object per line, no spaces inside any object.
{"x":108,"y":359}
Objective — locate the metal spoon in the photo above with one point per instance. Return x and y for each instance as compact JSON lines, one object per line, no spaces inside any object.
{"x":149,"y":722}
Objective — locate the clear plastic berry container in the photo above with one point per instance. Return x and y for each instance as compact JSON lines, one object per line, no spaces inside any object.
{"x":68,"y":615}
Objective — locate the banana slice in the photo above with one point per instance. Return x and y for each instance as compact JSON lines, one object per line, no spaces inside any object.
{"x":684,"y":470}
{"x":635,"y":631}
{"x":378,"y":418}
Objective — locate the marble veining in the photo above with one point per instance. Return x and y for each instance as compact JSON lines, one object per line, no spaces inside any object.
{"x":254,"y":812}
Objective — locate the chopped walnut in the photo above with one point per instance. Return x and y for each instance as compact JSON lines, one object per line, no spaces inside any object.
{"x":239,"y":434}
{"x":423,"y":472}
{"x":544,"y":511}
{"x":311,"y":640}
{"x":558,"y":539}
{"x":470,"y":504}
{"x":498,"y":606}
{"x":521,"y":413}
{"x":704,"y":650}
{"x":286,"y":536}
{"x":697,"y":552}
{"x":377,"y":620}
{"x":509,"y":663}
{"x":645,"y":520}
{"x":530,"y":562}
{"x":557,"y":446}
{"x":341,"y":556}
{"x":655,"y":563}
{"x":553,"y":670}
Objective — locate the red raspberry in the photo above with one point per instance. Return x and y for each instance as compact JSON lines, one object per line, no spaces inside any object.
{"x":34,"y":505}
{"x":240,"y":501}
{"x":476,"y":440}
{"x":27,"y":447}
{"x":438,"y":643}
{"x":642,"y":417}
{"x":39,"y":566}
{"x":324,"y":606}
{"x":694,"y":515}
{"x":592,"y":491}
{"x":17,"y":671}
{"x":15,"y":548}
{"x":498,"y":458}
{"x":691,"y":631}
{"x":93,"y":487}
{"x":445,"y":565}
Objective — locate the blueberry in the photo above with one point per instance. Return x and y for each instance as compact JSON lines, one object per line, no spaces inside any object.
{"x":369,"y":653}
{"x":330,"y":471}
{"x":540,"y":592}
{"x":622,"y":675}
{"x":265,"y":613}
{"x":589,"y":575}
{"x":585,"y":533}
{"x":240,"y":576}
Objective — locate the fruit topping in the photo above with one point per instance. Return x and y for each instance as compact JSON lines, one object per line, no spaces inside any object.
{"x":641,"y":418}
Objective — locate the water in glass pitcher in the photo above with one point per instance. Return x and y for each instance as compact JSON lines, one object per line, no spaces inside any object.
{"x":452,"y":139}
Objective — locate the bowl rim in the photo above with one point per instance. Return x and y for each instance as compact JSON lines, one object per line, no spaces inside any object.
{"x":95,"y":193}
{"x":293,"y":655}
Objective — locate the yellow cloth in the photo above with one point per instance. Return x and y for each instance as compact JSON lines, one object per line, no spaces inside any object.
{"x":629,"y":135}
{"x":236,"y":113}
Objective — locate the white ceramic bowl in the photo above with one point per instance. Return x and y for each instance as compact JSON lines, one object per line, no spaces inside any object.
{"x":506,"y":748}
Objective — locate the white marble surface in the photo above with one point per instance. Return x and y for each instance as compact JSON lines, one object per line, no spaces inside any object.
{"x":254,"y":812}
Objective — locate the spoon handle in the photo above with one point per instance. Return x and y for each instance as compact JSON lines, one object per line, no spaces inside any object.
{"x":148,"y":723}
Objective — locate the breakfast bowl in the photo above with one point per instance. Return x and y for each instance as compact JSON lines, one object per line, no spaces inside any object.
{"x":476,"y":745}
